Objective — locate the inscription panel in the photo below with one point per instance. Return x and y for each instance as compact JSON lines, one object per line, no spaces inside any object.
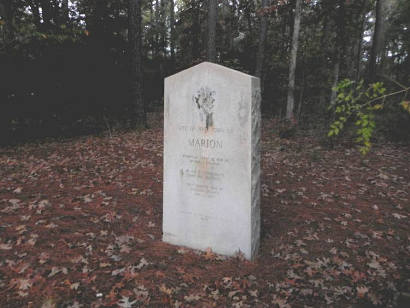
{"x":204,"y":169}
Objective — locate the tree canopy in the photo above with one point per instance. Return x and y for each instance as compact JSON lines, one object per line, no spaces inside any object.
{"x":65,"y":64}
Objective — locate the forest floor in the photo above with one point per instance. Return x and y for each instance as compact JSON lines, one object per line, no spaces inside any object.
{"x":81,"y":223}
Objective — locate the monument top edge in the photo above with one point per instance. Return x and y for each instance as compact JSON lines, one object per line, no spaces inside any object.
{"x":210,"y":65}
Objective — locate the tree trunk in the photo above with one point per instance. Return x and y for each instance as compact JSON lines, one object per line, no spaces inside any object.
{"x":195,"y":31}
{"x":336,"y":71}
{"x":339,"y":47}
{"x":324,"y":55}
{"x":377,"y":41}
{"x":302,"y":90}
{"x":233,"y":26}
{"x":150,"y":50}
{"x":283,"y":42}
{"x":172,"y":34}
{"x":8,"y":15}
{"x":299,"y":113}
{"x":35,"y":9}
{"x":292,"y":66}
{"x":65,"y":12}
{"x":46,"y":14}
{"x":355,"y":45}
{"x":262,"y":38}
{"x":377,"y":53}
{"x":247,"y":12}
{"x":358,"y":49}
{"x":248,"y":15}
{"x":135,"y":44}
{"x":163,"y":29}
{"x":212,"y":16}
{"x":156,"y":33}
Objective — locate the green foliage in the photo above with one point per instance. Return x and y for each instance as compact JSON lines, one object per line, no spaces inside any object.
{"x":29,"y":40}
{"x":406,"y":105}
{"x":358,"y":104}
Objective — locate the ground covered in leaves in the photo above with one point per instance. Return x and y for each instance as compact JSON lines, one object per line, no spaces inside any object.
{"x":80,"y":226}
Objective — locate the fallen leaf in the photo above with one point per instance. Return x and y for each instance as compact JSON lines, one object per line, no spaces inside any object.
{"x":361,"y":291}
{"x":191,"y":298}
{"x":5,"y":246}
{"x":18,"y":190}
{"x":124,"y":302}
{"x":142,"y":263}
{"x":398,"y":216}
{"x":74,"y":286}
{"x":117,"y":271}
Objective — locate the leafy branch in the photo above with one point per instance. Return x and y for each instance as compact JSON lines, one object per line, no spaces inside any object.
{"x":357,"y":104}
{"x":390,"y":94}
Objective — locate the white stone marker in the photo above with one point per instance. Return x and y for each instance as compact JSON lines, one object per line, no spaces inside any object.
{"x":211,"y":160}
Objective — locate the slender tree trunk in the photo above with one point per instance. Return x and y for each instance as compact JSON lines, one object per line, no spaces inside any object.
{"x":292,"y":66}
{"x":5,"y":117}
{"x":359,"y":46}
{"x":2,"y":10}
{"x":152,"y":24}
{"x":172,"y":34}
{"x":212,"y":17}
{"x":46,"y":14}
{"x":156,"y":35}
{"x":233,"y":26}
{"x":8,"y":15}
{"x":324,"y":55}
{"x":336,"y":71}
{"x":249,"y":21}
{"x":302,"y":90}
{"x":65,"y":12}
{"x":383,"y":8}
{"x":262,"y":38}
{"x":117,"y":13}
{"x":248,"y":17}
{"x":195,"y":31}
{"x":283,"y":20}
{"x":163,"y":29}
{"x":355,"y":47}
{"x":35,"y":9}
{"x":339,"y":47}
{"x":377,"y":41}
{"x":135,"y":44}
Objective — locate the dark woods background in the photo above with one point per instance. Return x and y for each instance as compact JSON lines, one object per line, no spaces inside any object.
{"x":65,"y":65}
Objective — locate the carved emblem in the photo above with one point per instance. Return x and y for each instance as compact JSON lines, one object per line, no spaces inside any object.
{"x":204,"y":100}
